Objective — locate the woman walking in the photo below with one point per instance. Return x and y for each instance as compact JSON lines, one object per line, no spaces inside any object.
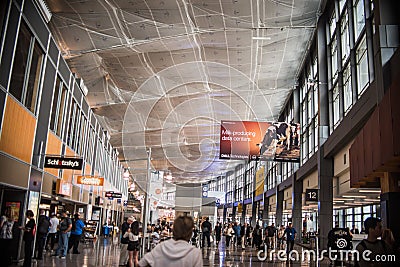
{"x":133,"y":246}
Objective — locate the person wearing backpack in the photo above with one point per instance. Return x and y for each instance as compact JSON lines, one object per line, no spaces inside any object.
{"x":76,"y":233}
{"x":42,"y":230}
{"x":206,"y":230}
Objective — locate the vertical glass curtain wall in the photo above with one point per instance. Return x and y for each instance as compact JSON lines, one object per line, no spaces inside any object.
{"x":67,"y":119}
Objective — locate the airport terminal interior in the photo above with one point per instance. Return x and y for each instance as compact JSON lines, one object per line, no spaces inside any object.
{"x":264,"y":129}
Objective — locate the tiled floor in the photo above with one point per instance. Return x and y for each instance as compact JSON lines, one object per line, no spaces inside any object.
{"x":105,"y":252}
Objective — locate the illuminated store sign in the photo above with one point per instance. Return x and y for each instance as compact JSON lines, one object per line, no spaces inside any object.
{"x":90,"y":180}
{"x":63,"y":163}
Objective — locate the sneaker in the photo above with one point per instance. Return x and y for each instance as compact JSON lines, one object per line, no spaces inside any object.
{"x":54,"y":255}
{"x":62,"y":257}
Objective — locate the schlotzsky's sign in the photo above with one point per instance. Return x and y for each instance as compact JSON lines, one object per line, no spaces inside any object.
{"x":90,"y":180}
{"x":63,"y":163}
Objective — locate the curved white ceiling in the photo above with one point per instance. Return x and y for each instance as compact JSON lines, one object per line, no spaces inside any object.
{"x":163,"y":74}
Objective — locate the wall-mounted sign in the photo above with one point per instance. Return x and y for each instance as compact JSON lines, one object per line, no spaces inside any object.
{"x":90,"y":180}
{"x":312,"y":195}
{"x":14,"y":208}
{"x":112,"y":194}
{"x":63,"y":188}
{"x":63,"y":163}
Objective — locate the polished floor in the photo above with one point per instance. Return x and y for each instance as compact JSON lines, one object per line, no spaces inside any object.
{"x":105,"y":252}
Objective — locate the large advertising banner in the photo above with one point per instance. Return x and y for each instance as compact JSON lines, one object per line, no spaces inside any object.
{"x":277,"y":141}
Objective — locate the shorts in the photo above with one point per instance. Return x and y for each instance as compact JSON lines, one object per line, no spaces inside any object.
{"x":133,"y":246}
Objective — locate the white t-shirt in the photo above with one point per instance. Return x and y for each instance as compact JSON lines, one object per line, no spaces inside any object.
{"x":54,"y":222}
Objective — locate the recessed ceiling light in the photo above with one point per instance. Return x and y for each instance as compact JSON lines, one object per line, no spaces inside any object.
{"x":353,"y":196}
{"x":369,"y":191}
{"x":261,"y":38}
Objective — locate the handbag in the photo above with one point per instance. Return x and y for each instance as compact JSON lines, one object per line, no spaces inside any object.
{"x":211,"y":238}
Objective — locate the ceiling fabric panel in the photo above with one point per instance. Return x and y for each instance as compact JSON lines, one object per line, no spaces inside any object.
{"x":163,"y":74}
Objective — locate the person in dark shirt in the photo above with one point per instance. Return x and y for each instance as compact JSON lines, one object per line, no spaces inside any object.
{"x":29,"y":235}
{"x":206,"y":230}
{"x":290,"y":237}
{"x":378,"y":249}
{"x":43,"y":225}
{"x":217,"y":230}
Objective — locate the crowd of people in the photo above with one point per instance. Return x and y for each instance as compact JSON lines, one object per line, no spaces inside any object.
{"x":244,"y":235}
{"x":177,"y":243}
{"x":64,"y":230}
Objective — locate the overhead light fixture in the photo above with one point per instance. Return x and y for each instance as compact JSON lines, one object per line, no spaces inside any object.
{"x":369,"y":191}
{"x":353,"y":196}
{"x":372,"y":199}
{"x":261,"y":38}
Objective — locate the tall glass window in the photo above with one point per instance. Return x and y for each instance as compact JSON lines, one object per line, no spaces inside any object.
{"x":61,"y":110}
{"x":362,"y":66}
{"x":333,"y":51}
{"x":336,"y":106}
{"x":345,"y":37}
{"x":347,"y":92}
{"x":332,"y":25}
{"x":25,"y":75}
{"x":310,"y":142}
{"x":316,"y":133}
{"x":310,"y":112}
{"x":359,"y":17}
{"x":54,"y":105}
{"x":32,"y":89}
{"x":20,"y":61}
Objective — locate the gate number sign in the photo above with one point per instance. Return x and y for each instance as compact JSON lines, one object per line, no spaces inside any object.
{"x":312,"y":195}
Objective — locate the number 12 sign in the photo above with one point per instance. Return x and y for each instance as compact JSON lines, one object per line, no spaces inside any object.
{"x":312,"y":195}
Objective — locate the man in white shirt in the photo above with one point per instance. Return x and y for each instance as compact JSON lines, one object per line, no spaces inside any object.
{"x":54,"y":222}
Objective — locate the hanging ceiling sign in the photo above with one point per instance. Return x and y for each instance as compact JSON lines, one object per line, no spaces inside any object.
{"x":90,"y":180}
{"x":63,"y":163}
{"x":112,"y":194}
{"x":251,"y":140}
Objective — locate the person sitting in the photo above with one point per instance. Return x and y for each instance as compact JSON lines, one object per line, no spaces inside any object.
{"x":175,"y":252}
